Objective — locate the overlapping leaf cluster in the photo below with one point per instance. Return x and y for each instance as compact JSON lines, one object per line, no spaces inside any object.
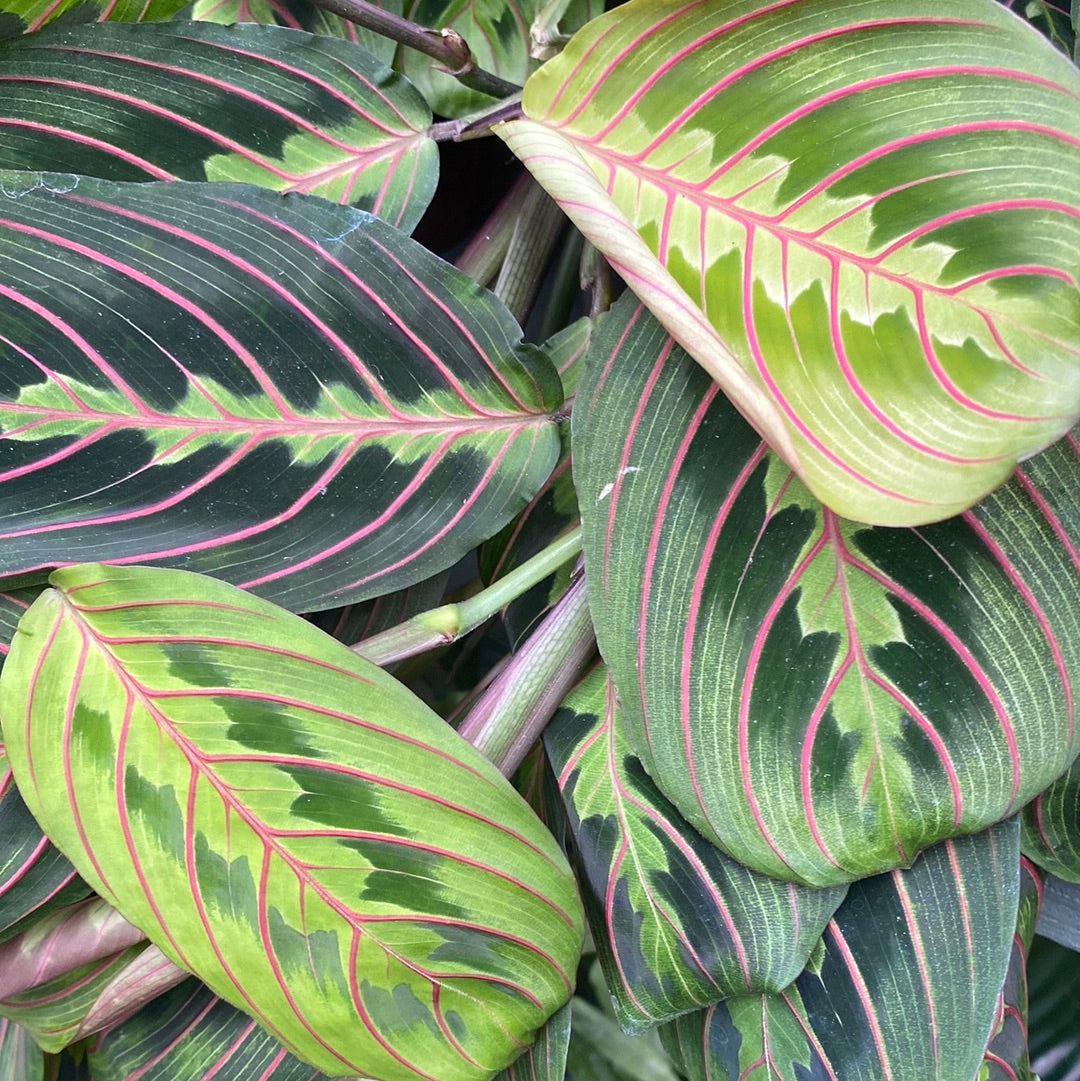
{"x":834,"y":587}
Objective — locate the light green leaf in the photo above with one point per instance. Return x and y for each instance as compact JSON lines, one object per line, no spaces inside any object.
{"x":863,"y":221}
{"x":287,"y":822}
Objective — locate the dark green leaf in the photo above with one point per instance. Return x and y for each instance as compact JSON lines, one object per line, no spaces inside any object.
{"x":821,"y":699}
{"x":677,"y":924}
{"x":290,"y":395}
{"x":193,"y":101}
{"x":906,"y":987}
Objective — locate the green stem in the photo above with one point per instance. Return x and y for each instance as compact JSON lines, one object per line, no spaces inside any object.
{"x":440,"y":626}
{"x":446,"y":46}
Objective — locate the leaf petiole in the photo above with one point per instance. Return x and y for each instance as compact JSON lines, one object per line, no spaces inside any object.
{"x":442,"y":625}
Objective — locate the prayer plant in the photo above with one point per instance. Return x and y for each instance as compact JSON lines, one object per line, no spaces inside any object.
{"x":684,"y":687}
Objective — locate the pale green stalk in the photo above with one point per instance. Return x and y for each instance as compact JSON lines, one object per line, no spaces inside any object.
{"x":440,"y":626}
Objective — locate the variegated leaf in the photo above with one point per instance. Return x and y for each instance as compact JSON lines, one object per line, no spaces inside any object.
{"x":545,"y":1060}
{"x":279,"y":829}
{"x":1051,"y":834}
{"x":20,"y":16}
{"x":195,"y":1036}
{"x":821,"y":699}
{"x":192,"y":101}
{"x":862,"y":219}
{"x":676,"y":924}
{"x":53,"y":1010}
{"x":292,"y":395}
{"x":905,"y":988}
{"x":35,"y":878}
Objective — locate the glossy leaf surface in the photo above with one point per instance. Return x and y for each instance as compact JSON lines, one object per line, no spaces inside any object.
{"x":822,"y":699}
{"x":1052,"y":827}
{"x":676,"y":924}
{"x":195,"y":1036}
{"x":332,"y":439}
{"x":905,"y":988}
{"x":267,"y":789}
{"x":189,"y":101}
{"x":869,"y":218}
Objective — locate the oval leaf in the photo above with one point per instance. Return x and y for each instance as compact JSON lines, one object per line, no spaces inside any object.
{"x":1051,"y":834}
{"x":877,"y":210}
{"x":20,"y":1058}
{"x":293,"y":396}
{"x":21,"y":16}
{"x":676,"y":924}
{"x":276,"y":835}
{"x":905,"y":988}
{"x":821,"y":699}
{"x":269,"y":106}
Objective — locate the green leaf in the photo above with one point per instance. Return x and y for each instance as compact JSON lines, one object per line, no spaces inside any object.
{"x":1006,"y":1057}
{"x":1051,"y":827}
{"x":20,"y":1058}
{"x":601,"y":1051}
{"x":35,"y":878}
{"x":819,"y":698}
{"x":864,"y":221}
{"x":545,"y":1060}
{"x":20,"y":16}
{"x":905,"y":988}
{"x":276,"y":827}
{"x":552,"y":513}
{"x":193,"y":101}
{"x":195,"y":1036}
{"x":54,"y":1010}
{"x":328,"y":440}
{"x":497,"y":33}
{"x":1054,"y":985}
{"x":676,"y":924}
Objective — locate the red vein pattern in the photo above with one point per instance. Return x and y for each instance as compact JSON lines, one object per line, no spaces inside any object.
{"x":822,"y":699}
{"x":263,"y":787}
{"x":907,"y":984}
{"x":881,"y":236}
{"x":271,"y":414}
{"x":265,"y":105}
{"x":676,"y":924}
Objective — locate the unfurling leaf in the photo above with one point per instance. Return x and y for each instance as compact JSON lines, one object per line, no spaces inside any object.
{"x":264,"y":805}
{"x":862,"y":218}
